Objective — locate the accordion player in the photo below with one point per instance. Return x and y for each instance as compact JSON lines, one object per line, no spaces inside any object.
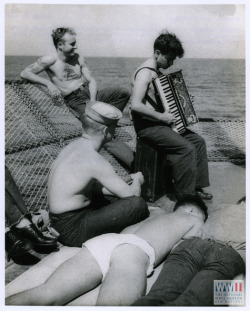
{"x":172,"y":95}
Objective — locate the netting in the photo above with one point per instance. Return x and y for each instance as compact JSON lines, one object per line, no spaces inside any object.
{"x":36,"y":129}
{"x":225,"y":139}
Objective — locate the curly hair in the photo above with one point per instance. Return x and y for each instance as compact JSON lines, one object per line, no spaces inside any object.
{"x":58,"y":34}
{"x":194,"y":200}
{"x":169,"y":43}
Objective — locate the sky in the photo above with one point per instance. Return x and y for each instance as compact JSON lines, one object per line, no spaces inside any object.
{"x":127,"y":30}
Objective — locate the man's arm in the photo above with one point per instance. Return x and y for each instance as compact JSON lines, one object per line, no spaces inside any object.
{"x":113,"y":184}
{"x":92,"y":83}
{"x":31,"y":72}
{"x":139,"y":91}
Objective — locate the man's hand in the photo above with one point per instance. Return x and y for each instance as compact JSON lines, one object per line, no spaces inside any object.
{"x":167,"y":117}
{"x":138,"y":177}
{"x":54,"y":90}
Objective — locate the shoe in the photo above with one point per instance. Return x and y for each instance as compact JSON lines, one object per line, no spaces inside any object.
{"x":18,"y":250}
{"x":34,"y":236}
{"x":24,"y":260}
{"x":203,"y":195}
{"x":14,"y":245}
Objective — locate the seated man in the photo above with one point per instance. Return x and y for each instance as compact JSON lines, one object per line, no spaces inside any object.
{"x":187,"y":151}
{"x":70,"y":78}
{"x":120,"y":261}
{"x":187,"y":277}
{"x":80,"y":177}
{"x":21,"y":234}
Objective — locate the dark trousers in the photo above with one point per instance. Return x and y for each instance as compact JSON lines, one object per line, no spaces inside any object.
{"x":78,"y":226}
{"x":187,"y":277}
{"x":115,"y":96}
{"x":186,"y":152}
{"x":15,"y":207}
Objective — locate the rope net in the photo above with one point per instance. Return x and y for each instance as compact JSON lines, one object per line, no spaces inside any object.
{"x":37,"y":128}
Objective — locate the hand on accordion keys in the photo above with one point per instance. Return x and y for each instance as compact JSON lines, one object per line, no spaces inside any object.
{"x":167,"y":117}
{"x":136,"y":176}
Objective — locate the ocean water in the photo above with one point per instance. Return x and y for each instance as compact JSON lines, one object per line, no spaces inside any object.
{"x":218,"y":85}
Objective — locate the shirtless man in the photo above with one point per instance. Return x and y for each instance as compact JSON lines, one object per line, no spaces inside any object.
{"x":71,"y":79}
{"x":80,"y":177}
{"x":121,"y":262}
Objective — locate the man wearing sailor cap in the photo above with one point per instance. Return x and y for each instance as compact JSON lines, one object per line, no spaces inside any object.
{"x":80,"y":177}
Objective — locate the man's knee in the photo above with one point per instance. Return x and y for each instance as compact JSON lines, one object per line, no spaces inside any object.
{"x":201,"y":140}
{"x":137,"y":209}
{"x":123,"y":96}
{"x":124,"y":92}
{"x":138,"y":204}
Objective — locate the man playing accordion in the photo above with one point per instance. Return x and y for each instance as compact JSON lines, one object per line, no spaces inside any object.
{"x":154,"y":125}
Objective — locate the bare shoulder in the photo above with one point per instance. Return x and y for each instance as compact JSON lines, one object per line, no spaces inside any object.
{"x":144,"y":73}
{"x":196,"y":224}
{"x":185,"y":220}
{"x":43,"y":63}
{"x":192,"y":219}
{"x":101,"y":167}
{"x":81,"y":60}
{"x":47,"y":60}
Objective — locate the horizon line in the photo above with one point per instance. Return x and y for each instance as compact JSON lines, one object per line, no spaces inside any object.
{"x":7,"y":55}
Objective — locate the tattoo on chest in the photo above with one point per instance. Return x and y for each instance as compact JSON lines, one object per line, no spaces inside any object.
{"x":69,"y":71}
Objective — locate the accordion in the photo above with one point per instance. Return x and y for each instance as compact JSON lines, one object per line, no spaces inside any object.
{"x":172,"y":94}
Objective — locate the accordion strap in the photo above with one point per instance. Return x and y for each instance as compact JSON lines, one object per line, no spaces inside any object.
{"x":150,"y":68}
{"x":147,"y":97}
{"x":152,"y":102}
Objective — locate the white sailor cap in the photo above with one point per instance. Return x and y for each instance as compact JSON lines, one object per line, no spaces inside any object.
{"x":102,"y":112}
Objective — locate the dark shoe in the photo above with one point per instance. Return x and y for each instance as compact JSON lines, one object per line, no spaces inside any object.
{"x":45,"y":249}
{"x":203,"y":195}
{"x":14,"y":245}
{"x":34,"y":236}
{"x":25,"y":259}
{"x":18,"y":250}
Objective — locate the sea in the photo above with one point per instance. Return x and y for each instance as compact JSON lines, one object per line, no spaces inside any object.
{"x":217,"y":85}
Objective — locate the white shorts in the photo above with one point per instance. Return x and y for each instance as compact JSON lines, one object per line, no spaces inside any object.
{"x":101,"y":247}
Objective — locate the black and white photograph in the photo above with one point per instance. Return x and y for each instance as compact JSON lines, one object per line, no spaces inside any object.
{"x":123,"y":140}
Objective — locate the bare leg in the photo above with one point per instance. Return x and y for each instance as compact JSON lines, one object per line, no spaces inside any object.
{"x":127,"y":279}
{"x":74,"y":277}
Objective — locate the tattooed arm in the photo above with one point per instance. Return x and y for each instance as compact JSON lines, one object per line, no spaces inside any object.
{"x":31,"y":72}
{"x":90,"y":79}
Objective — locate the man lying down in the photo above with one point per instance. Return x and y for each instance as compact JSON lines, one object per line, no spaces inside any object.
{"x":122,"y":262}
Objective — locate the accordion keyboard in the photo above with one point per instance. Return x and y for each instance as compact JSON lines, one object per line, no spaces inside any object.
{"x":170,"y":102}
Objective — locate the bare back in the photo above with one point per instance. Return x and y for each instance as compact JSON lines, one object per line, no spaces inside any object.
{"x":164,"y":231}
{"x":75,"y":174}
{"x":71,"y":180}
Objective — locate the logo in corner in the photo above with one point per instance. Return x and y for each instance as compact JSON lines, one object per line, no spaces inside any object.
{"x":229,"y":292}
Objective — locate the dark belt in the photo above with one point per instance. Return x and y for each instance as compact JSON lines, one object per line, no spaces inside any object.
{"x":77,"y":91}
